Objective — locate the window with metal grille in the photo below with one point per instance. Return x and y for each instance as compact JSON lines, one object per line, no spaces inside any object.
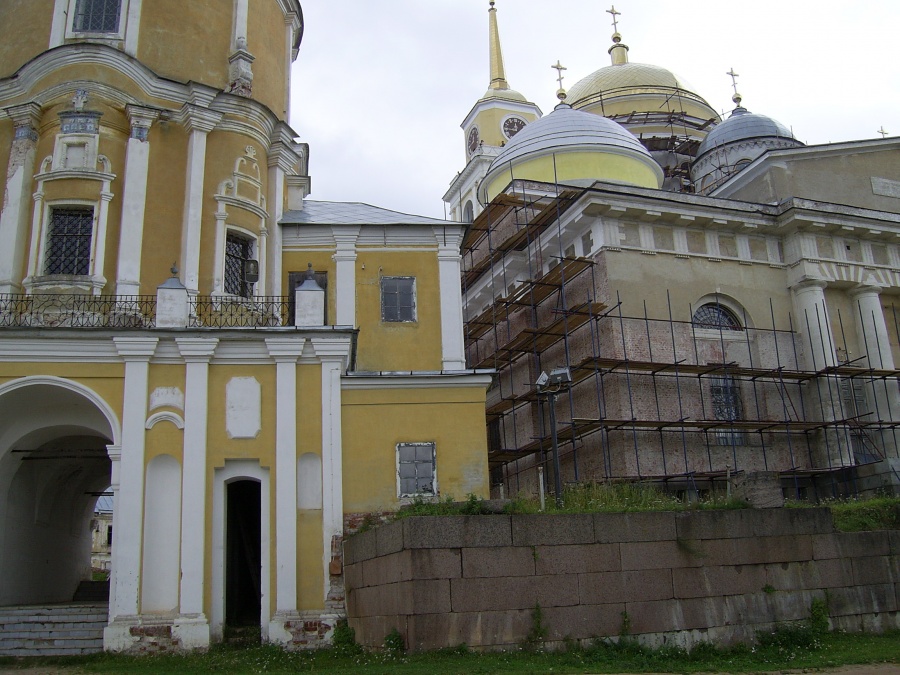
{"x":97,"y":16}
{"x":238,"y":250}
{"x":726,"y":401}
{"x":69,"y":241}
{"x":416,"y":469}
{"x":717,"y":317}
{"x":398,"y":298}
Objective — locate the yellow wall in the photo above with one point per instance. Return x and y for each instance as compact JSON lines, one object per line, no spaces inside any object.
{"x":199,"y":36}
{"x":27,"y":32}
{"x":375,"y":421}
{"x":579,"y":166}
{"x":490,"y":125}
{"x":103,"y":378}
{"x":398,"y":346}
{"x":266,"y":41}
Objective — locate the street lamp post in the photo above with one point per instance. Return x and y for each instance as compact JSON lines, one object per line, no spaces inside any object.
{"x":550,"y":385}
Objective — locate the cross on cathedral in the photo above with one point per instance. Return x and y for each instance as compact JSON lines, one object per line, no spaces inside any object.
{"x":558,"y":67}
{"x":734,"y":76}
{"x":614,"y":15}
{"x":883,"y":132}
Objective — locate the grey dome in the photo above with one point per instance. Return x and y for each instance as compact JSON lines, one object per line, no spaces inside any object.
{"x":569,"y":129}
{"x":744,"y":125}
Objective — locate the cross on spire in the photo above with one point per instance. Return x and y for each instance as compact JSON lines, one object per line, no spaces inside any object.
{"x":615,"y":20}
{"x":558,"y":67}
{"x":883,"y":132}
{"x":734,"y":76}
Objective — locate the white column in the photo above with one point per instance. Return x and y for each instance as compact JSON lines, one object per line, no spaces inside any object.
{"x":198,"y":122}
{"x":275,"y":204}
{"x":345,"y":283}
{"x":240,"y":21}
{"x":262,"y":255}
{"x":98,"y":278}
{"x":192,"y":624}
{"x":129,"y":505}
{"x":134,"y":200}
{"x":16,"y":200}
{"x":334,"y":355}
{"x":452,"y":349}
{"x":115,"y":460}
{"x":286,"y":352}
{"x":219,"y":260}
{"x":811,"y":319}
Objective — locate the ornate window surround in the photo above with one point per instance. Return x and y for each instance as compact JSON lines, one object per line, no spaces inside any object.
{"x":63,"y":27}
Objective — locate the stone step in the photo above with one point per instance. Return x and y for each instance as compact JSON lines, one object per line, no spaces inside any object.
{"x":52,"y":630}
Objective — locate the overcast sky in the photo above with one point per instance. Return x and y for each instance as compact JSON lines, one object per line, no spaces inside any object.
{"x":381,"y":86}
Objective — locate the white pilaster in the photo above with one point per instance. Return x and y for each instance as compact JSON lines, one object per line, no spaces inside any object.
{"x":812,"y":320}
{"x":129,"y":501}
{"x":98,"y":278}
{"x":16,"y":202}
{"x":134,"y":200}
{"x":286,"y":351}
{"x":199,"y":122}
{"x":196,"y":353}
{"x":241,"y":9}
{"x":345,"y":283}
{"x":334,"y":355}
{"x":449,"y":261}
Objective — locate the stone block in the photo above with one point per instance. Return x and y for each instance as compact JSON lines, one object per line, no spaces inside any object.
{"x":630,"y":527}
{"x":858,"y":544}
{"x":791,"y":605}
{"x":353,"y":576}
{"x":863,"y":600}
{"x":577,"y":559}
{"x":701,"y":613}
{"x":387,"y":569}
{"x":456,"y":531}
{"x":894,"y":537}
{"x":389,"y":538}
{"x":662,"y":555}
{"x":826,"y":546}
{"x":501,"y":593}
{"x":713,"y":524}
{"x":552,"y":530}
{"x":702,"y":582}
{"x":874,"y":570}
{"x":809,"y":575}
{"x":746,"y":609}
{"x":435,"y":563}
{"x":371,"y":631}
{"x":427,"y":596}
{"x":631,"y":586}
{"x":360,"y":547}
{"x":508,"y":561}
{"x":760,"y":550}
{"x":654,"y":617}
{"x":475,"y":629}
{"x":583,"y":622}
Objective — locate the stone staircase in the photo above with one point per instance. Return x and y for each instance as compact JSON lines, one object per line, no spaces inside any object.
{"x":53,"y":630}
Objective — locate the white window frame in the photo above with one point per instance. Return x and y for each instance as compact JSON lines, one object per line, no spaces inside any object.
{"x":434,"y":477}
{"x":48,"y":219}
{"x":414,"y":308}
{"x":118,"y":35}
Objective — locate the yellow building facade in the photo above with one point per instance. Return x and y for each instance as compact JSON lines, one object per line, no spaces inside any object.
{"x":299,"y":364}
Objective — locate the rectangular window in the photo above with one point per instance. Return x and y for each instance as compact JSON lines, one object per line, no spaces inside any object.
{"x":238,"y":250}
{"x":69,"y":241}
{"x":398,"y":299}
{"x":416,"y":469}
{"x":97,"y":16}
{"x":726,"y":400}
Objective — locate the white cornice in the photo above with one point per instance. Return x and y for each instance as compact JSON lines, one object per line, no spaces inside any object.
{"x":420,"y":380}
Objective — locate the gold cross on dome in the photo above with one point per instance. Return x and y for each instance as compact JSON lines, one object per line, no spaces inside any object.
{"x":614,"y":15}
{"x":734,"y":76}
{"x":559,"y":68}
{"x":883,"y":132}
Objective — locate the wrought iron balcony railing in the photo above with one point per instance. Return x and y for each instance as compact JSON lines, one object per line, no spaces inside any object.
{"x":233,"y":312}
{"x":51,"y":310}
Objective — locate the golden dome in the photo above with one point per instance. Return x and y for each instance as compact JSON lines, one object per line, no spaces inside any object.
{"x":624,"y":88}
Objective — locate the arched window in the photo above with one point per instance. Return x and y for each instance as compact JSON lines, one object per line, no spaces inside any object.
{"x":469,"y":212}
{"x":716,"y":316}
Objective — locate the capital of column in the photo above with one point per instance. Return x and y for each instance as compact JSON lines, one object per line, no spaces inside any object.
{"x":332,"y":349}
{"x":135,"y":348}
{"x":141,"y":119}
{"x":197,"y":350}
{"x":863,"y":290}
{"x":809,"y":284}
{"x":283,"y":152}
{"x":448,"y":237}
{"x":26,"y":118}
{"x":194,"y":118}
{"x":285,"y":350}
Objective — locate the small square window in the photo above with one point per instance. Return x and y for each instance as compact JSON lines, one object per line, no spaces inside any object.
{"x":97,"y":16}
{"x":69,"y":241}
{"x":398,"y":299}
{"x":416,"y":470}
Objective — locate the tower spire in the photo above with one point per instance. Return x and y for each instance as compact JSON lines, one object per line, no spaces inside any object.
{"x":498,"y":73}
{"x":619,"y":51}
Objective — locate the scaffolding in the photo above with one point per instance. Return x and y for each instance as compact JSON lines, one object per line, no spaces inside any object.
{"x":655,"y":399}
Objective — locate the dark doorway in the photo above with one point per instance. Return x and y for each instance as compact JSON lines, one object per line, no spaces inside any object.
{"x":243,"y":562}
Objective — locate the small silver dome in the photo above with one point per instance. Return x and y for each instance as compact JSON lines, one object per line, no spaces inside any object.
{"x":569,"y":129}
{"x":744,"y":125}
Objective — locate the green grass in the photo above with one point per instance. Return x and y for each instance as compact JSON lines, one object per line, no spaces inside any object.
{"x":861,"y":515}
{"x":789,"y":651}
